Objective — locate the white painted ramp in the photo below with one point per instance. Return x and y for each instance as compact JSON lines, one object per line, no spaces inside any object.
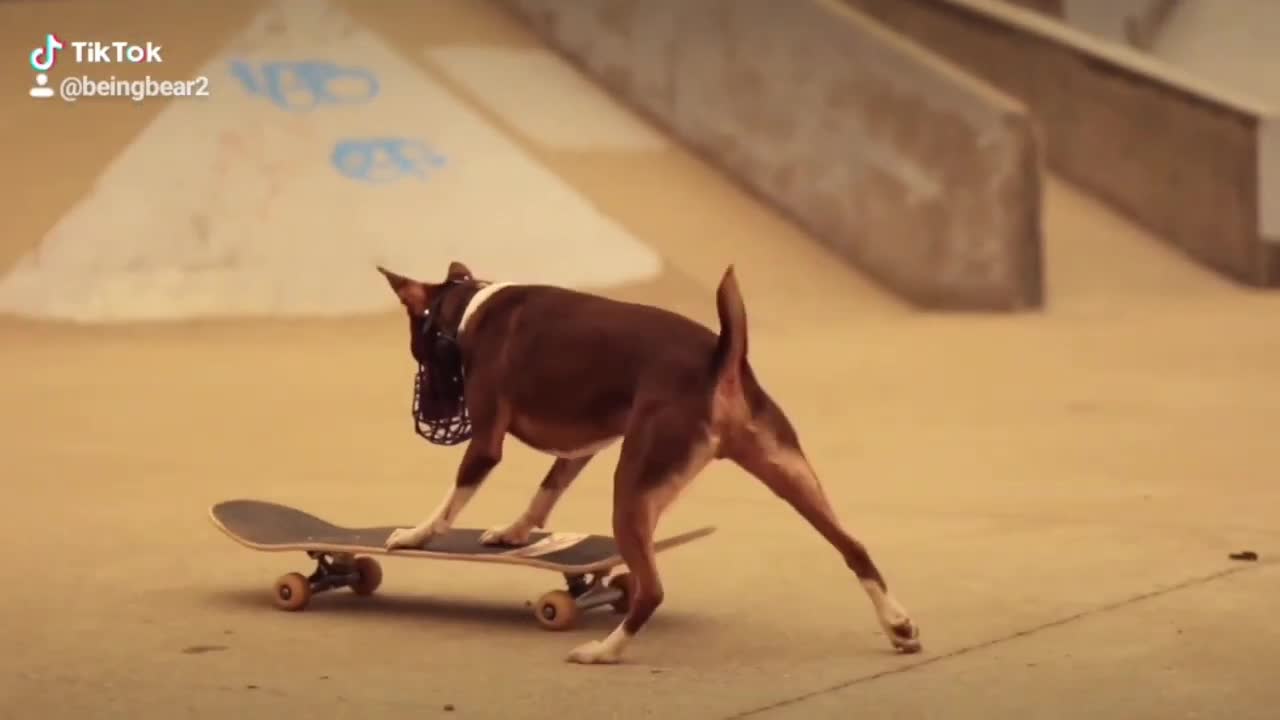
{"x":321,"y":153}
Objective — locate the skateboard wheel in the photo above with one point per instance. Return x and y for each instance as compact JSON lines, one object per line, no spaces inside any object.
{"x":292,"y":591}
{"x":368,"y":575}
{"x":625,"y":583}
{"x":556,"y":610}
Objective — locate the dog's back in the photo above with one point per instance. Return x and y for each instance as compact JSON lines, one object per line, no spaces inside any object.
{"x":578,"y":334}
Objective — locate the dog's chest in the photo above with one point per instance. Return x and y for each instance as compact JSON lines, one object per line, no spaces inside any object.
{"x":560,"y":440}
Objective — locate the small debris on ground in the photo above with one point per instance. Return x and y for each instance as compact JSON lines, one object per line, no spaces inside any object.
{"x":1245,"y":555}
{"x":202,"y":649}
{"x":448,"y":707}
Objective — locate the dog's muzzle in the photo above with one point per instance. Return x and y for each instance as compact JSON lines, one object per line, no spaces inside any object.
{"x":437,"y":427}
{"x":439,"y":404}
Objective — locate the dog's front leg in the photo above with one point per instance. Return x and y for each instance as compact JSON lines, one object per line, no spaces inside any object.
{"x":558,"y":479}
{"x":480,"y":458}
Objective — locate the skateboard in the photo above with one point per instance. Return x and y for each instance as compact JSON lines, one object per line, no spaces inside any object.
{"x":342,"y":556}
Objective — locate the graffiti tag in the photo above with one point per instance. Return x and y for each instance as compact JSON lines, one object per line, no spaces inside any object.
{"x":384,"y":160}
{"x":305,"y":85}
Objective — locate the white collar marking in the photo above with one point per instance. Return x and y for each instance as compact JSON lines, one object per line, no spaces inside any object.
{"x":476,"y":301}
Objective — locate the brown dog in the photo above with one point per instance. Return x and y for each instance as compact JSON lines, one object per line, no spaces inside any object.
{"x":568,"y":373}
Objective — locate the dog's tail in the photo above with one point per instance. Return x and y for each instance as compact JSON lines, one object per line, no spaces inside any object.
{"x":731,"y":350}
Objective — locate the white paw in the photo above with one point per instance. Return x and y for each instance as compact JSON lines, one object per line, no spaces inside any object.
{"x":593,"y":653}
{"x":517,"y":533}
{"x":905,"y":637}
{"x":407,"y":538}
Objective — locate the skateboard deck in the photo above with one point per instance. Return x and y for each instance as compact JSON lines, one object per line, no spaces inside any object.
{"x":584,"y":559}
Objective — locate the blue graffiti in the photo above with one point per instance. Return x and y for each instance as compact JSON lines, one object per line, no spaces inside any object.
{"x":384,"y":160}
{"x":305,"y":85}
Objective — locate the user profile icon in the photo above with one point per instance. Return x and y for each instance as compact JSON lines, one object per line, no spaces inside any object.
{"x":42,"y":89}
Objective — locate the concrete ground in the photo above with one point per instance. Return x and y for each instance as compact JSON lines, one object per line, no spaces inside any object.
{"x":1054,"y":496}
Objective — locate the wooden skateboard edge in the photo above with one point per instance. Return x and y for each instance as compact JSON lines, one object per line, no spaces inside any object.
{"x":599,"y":566}
{"x":683,"y":538}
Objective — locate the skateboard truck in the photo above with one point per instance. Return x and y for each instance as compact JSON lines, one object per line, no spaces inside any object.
{"x":333,"y":570}
{"x":558,"y":609}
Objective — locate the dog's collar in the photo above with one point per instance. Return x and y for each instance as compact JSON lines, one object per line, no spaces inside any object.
{"x":434,"y":323}
{"x":485,"y":291}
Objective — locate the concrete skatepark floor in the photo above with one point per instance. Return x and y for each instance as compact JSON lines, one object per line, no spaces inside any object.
{"x":1053,"y":496}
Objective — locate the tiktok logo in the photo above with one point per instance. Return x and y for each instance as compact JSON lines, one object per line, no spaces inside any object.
{"x":43,"y":58}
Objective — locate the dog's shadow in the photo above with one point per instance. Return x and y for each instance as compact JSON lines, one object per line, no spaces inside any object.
{"x":451,"y":608}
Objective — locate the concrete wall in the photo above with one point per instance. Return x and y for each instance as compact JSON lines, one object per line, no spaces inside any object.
{"x":1181,"y":158}
{"x":1230,"y":44}
{"x":924,"y":177}
{"x":1128,"y":22}
{"x":1054,"y":8}
{"x":1269,"y":182}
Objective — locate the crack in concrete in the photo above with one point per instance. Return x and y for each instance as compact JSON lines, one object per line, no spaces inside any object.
{"x":969,"y":649}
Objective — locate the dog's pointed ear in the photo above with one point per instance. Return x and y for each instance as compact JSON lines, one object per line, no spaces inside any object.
{"x":397,"y":282}
{"x":458,"y":272}
{"x":412,"y":293}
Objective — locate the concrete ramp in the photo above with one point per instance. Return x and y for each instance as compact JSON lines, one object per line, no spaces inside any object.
{"x":320,"y":152}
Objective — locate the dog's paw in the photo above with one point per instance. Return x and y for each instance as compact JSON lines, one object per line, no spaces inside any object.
{"x":905,"y":637}
{"x":594,"y":653}
{"x":517,"y":533}
{"x":405,"y":538}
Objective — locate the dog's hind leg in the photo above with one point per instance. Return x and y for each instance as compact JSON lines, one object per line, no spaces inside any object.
{"x":659,"y":458}
{"x":558,"y":479}
{"x":759,"y":438}
{"x":770,"y":452}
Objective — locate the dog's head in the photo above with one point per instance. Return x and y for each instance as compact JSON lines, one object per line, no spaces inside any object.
{"x":434,"y":312}
{"x":432,"y":308}
{"x":417,"y":296}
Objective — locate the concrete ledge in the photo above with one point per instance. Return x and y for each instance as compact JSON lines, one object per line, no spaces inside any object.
{"x":1269,"y":179}
{"x":923,"y":176}
{"x":1181,"y":157}
{"x":1053,"y":8}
